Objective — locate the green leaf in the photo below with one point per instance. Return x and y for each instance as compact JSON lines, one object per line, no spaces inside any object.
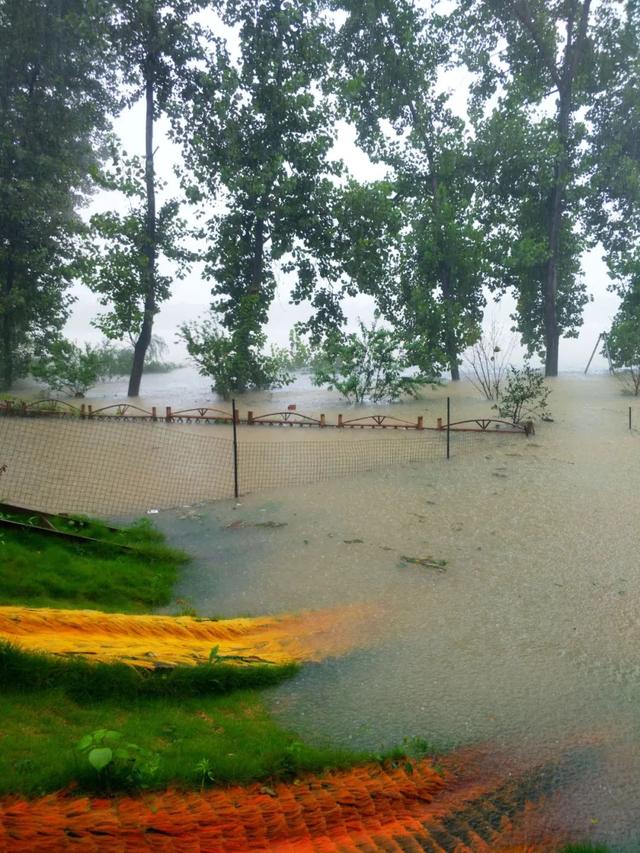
{"x":100,"y":758}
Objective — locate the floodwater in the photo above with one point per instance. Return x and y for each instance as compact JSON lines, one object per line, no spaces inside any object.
{"x":527,"y":637}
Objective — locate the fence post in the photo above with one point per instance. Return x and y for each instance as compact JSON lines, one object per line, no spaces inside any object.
{"x":235,"y":448}
{"x":323,"y":421}
{"x":629,"y":417}
{"x":448,"y":427}
{"x":420,"y":424}
{"x":168,"y":415}
{"x":340,"y":422}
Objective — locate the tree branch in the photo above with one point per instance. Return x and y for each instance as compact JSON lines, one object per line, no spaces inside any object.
{"x":571,"y":60}
{"x":523,"y":14}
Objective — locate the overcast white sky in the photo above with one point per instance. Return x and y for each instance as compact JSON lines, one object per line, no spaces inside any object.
{"x":191,"y":298}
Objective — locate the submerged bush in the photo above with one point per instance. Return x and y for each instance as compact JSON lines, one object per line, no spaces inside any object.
{"x":235,"y":362}
{"x":69,"y":368}
{"x":525,"y":396}
{"x":370,"y":364}
{"x":623,"y":346}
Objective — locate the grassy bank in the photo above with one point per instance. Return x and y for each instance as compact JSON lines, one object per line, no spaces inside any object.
{"x":83,"y":681}
{"x":202,"y":725}
{"x":43,"y":571}
{"x":232,"y":736}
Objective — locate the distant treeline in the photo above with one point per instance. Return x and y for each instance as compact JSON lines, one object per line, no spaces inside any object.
{"x":501,"y":192}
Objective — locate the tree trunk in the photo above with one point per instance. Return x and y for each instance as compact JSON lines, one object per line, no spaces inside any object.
{"x":6,"y":376}
{"x":450,"y":343}
{"x":146,"y":330}
{"x":556,"y":211}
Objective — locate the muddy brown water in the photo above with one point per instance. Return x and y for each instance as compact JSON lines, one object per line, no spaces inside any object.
{"x":528,"y":639}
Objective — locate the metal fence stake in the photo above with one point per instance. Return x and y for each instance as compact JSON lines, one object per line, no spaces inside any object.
{"x":234,"y":421}
{"x":448,"y":427}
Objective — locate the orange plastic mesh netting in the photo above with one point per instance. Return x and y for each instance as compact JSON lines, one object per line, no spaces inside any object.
{"x":369,"y":808}
{"x":150,"y":641}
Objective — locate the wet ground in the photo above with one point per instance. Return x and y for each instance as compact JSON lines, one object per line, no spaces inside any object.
{"x":506,"y":585}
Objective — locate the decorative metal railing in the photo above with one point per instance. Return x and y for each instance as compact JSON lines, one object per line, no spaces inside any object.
{"x":288,"y":418}
{"x":379,"y":421}
{"x":291,"y":417}
{"x":484,"y":425}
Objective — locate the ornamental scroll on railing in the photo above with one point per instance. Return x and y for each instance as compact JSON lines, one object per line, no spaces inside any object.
{"x":486,"y":425}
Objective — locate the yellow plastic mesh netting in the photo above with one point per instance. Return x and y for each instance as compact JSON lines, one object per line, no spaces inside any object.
{"x":461,"y":807}
{"x":150,"y":641}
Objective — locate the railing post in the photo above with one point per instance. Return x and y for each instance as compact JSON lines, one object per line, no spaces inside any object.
{"x":154,"y":413}
{"x":629,"y":417}
{"x":249,"y":417}
{"x":420,"y":424}
{"x":168,"y":415}
{"x":90,"y":410}
{"x":82,"y":410}
{"x":323,"y":420}
{"x":235,"y":448}
{"x":439,"y":423}
{"x":340,"y":423}
{"x":448,"y":427}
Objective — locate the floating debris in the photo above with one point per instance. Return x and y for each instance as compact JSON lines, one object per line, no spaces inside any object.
{"x":426,"y":562}
{"x":241,"y":525}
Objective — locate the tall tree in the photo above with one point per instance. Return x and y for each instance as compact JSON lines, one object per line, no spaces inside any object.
{"x":537,"y":51}
{"x":157,"y":44}
{"x":514,"y":156}
{"x":389,"y":55}
{"x":257,"y":135}
{"x":615,"y":152}
{"x":53,"y":102}
{"x":115,"y":262}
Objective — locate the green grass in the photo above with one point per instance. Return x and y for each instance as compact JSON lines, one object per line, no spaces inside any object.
{"x":42,"y":571}
{"x":584,"y":848}
{"x":187,"y":715}
{"x":84,"y":681}
{"x":39,"y":732}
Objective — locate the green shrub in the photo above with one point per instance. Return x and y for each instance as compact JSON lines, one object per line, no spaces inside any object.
{"x":370,"y":364}
{"x":623,"y":345}
{"x":69,"y":368}
{"x":117,"y":763}
{"x":236,"y":363}
{"x":525,"y":396}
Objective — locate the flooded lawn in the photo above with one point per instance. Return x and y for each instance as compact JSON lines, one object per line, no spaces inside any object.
{"x":506,"y":590}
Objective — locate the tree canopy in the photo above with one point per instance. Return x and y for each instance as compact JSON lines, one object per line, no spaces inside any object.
{"x":54,"y":101}
{"x":496,"y":190}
